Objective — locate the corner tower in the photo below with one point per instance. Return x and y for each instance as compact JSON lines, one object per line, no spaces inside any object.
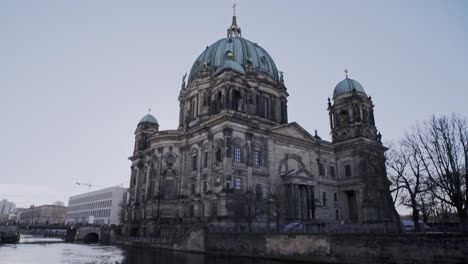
{"x":360,"y":157}
{"x":352,"y":112}
{"x":147,"y":126}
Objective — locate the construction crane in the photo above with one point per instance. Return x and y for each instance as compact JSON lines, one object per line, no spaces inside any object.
{"x":85,"y":184}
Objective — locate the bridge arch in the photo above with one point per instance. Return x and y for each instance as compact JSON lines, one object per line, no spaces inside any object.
{"x":91,"y":237}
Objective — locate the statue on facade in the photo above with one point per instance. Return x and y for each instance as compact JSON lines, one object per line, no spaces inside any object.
{"x":183,"y":81}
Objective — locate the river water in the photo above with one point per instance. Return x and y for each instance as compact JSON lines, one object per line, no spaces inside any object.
{"x":38,"y":250}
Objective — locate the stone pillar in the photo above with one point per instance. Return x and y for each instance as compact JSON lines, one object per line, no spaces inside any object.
{"x":227,"y":160}
{"x":296,"y":201}
{"x":181,"y":116}
{"x":290,"y":200}
{"x":148,"y":171}
{"x":312,"y":198}
{"x":199,"y":154}
{"x":248,"y":162}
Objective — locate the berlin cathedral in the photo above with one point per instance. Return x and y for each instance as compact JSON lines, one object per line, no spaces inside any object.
{"x":235,"y":140}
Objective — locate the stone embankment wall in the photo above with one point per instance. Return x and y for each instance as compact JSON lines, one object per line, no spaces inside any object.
{"x":344,"y":248}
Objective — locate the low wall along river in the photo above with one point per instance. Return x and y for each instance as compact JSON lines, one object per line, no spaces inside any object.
{"x":344,"y":248}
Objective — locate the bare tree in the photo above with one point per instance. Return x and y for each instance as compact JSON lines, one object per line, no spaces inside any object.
{"x":396,"y":167}
{"x":277,"y":204}
{"x":442,"y":144}
{"x":408,"y":175}
{"x":244,"y":207}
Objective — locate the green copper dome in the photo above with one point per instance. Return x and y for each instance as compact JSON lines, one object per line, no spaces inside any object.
{"x":346,"y":86}
{"x":148,"y":119}
{"x":234,"y":53}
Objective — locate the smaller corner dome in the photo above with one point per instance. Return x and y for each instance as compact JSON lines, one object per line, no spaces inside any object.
{"x":346,"y":86}
{"x":148,"y":119}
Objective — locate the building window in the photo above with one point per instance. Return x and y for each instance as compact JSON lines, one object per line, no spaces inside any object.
{"x":259,"y":192}
{"x":205,"y":161}
{"x":194,"y":162}
{"x":335,"y":197}
{"x":191,"y":211}
{"x":337,"y":215}
{"x":218,"y":155}
{"x":192,"y":189}
{"x":237,"y":183}
{"x":324,"y":199}
{"x":205,"y":186}
{"x":266,"y":107}
{"x":348,"y":170}
{"x":321,"y":169}
{"x":257,"y":158}
{"x":214,"y":209}
{"x":237,"y":154}
{"x":332,"y":171}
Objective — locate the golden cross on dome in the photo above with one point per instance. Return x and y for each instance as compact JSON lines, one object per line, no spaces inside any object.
{"x":234,"y":8}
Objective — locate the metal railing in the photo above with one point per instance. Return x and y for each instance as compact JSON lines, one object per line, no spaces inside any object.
{"x":297,"y":227}
{"x":152,"y":240}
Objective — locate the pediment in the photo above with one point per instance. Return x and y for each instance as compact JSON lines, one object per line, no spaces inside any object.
{"x":293,"y":129}
{"x":298,"y":176}
{"x":298,"y":173}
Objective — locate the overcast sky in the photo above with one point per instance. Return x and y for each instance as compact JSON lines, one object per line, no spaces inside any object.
{"x":76,"y":76}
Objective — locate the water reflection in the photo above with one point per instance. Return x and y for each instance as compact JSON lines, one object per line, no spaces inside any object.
{"x":150,"y":256}
{"x":33,"y":249}
{"x":49,"y":250}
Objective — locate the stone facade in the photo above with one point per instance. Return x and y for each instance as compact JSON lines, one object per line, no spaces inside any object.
{"x":43,"y":215}
{"x":234,"y":139}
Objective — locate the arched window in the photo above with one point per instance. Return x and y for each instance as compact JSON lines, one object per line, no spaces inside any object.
{"x":266,"y":107}
{"x":257,"y":161}
{"x":133,"y":181}
{"x":343,"y":117}
{"x":219,"y":101}
{"x":144,"y":174}
{"x":205,"y":160}
{"x":237,"y":153}
{"x":284,"y":111}
{"x":218,"y":155}
{"x":237,"y":101}
{"x":194,"y":160}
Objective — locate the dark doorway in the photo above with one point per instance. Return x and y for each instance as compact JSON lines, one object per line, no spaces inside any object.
{"x":352,"y":206}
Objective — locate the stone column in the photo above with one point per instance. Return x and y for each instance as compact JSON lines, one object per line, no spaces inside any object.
{"x":199,"y":164}
{"x":137,"y":183}
{"x":312,"y":197}
{"x":148,"y":171}
{"x":158,"y":180}
{"x":248,"y":157}
{"x":227,"y":160}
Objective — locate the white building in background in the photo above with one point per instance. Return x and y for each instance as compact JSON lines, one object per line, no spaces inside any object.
{"x":58,"y":203}
{"x":96,"y":207}
{"x":6,"y":207}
